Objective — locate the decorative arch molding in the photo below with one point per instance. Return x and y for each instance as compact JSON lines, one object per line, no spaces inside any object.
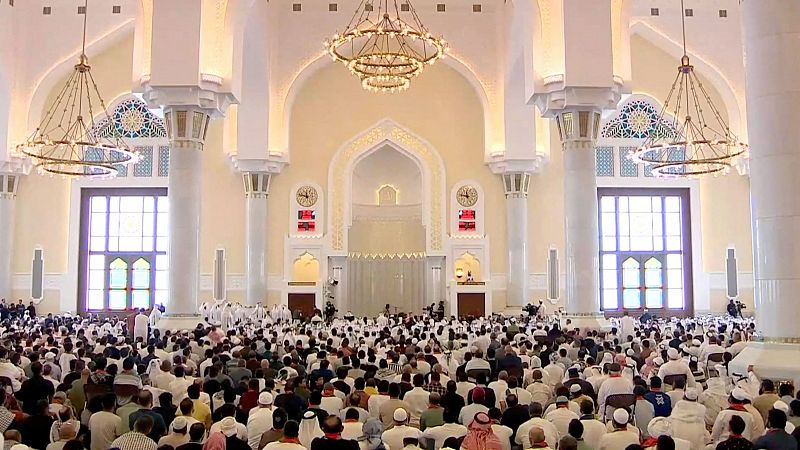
{"x":733,"y":98}
{"x":32,"y":110}
{"x":638,"y":117}
{"x":340,"y":171}
{"x":132,"y":119}
{"x":492,"y":120}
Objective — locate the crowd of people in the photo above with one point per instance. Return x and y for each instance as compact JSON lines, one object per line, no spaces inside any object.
{"x":387,"y":383}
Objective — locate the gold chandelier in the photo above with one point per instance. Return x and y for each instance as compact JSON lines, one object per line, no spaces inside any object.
{"x":382,"y":49}
{"x":66,"y":142}
{"x":702,"y":143}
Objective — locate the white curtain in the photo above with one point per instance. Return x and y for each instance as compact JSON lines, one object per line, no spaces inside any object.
{"x":373,"y":281}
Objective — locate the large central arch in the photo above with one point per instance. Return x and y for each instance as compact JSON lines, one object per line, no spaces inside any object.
{"x":492,"y":120}
{"x":417,"y":149}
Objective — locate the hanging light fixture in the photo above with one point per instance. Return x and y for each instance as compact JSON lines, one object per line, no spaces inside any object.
{"x":382,"y":49}
{"x":66,"y":142}
{"x":702,"y":143}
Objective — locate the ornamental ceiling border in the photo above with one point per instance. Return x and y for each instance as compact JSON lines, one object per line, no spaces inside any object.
{"x":343,"y":163}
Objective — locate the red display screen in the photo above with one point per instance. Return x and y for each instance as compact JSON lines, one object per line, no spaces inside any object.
{"x":466,"y":226}
{"x":466,"y":220}
{"x":466,"y":214}
{"x":305,"y":226}
{"x":306,"y":214}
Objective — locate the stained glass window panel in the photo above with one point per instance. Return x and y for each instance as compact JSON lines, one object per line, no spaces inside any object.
{"x":118,"y":274}
{"x":673,"y":243}
{"x":144,"y":168}
{"x":675,"y":278}
{"x":630,"y":273}
{"x":654,"y":298}
{"x":117,"y":299}
{"x":638,"y":118}
{"x":673,"y":204}
{"x":607,"y":205}
{"x":98,"y":221}
{"x":631,"y":299}
{"x":609,"y":279}
{"x":97,"y":279}
{"x":610,"y":299}
{"x":643,"y":262}
{"x":140,"y":299}
{"x":605,"y":161}
{"x":99,"y":204}
{"x":94,"y":300}
{"x":97,"y":262}
{"x":675,"y":298}
{"x":672,"y":223}
{"x":674,"y":261}
{"x":653,"y":276}
{"x":141,"y":274}
{"x":97,"y":244}
{"x":624,"y":224}
{"x":163,"y":161}
{"x":627,"y":168}
{"x":609,"y":224}
{"x":609,"y":243}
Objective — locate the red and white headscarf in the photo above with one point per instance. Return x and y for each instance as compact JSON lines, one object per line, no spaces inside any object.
{"x":480,"y":435}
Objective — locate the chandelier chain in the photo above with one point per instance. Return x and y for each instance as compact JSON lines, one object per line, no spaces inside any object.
{"x":63,"y":143}
{"x":702,"y":142}
{"x":683,"y":27}
{"x":384,"y":49}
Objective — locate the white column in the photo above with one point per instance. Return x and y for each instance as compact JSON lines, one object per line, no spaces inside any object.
{"x":516,"y":190}
{"x":186,"y":127}
{"x":772,"y":34}
{"x":578,"y":129}
{"x":256,"y":190}
{"x":8,"y":194}
{"x":580,"y":227}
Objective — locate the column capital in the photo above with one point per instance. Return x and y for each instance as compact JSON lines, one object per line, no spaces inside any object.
{"x":17,"y":164}
{"x":557,"y":96}
{"x":271,"y":164}
{"x":578,"y":126}
{"x":186,"y":126}
{"x":257,"y":184}
{"x":207,"y":95}
{"x":515,"y":184}
{"x":9,"y":184}
{"x":501,"y":165}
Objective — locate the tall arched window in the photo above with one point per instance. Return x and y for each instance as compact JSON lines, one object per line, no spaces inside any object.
{"x":124,"y":242}
{"x":123,"y":261}
{"x":645,"y":250}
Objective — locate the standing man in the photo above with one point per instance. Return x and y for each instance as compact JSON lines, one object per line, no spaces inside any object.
{"x":140,"y":326}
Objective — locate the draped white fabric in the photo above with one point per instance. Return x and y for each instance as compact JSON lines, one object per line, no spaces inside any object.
{"x":372,"y":282}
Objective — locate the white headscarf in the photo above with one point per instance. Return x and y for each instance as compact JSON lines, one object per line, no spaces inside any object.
{"x":309,"y":429}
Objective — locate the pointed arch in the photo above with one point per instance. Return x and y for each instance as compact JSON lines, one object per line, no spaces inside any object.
{"x":459,"y":64}
{"x":732,"y":96}
{"x":32,"y":110}
{"x":340,"y":170}
{"x":638,"y":117}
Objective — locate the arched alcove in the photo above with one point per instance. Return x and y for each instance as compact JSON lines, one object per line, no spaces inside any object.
{"x":305,"y":269}
{"x":467,"y":266}
{"x":431,"y":173}
{"x":383,"y":221}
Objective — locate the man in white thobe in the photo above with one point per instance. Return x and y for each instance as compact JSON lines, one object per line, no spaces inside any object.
{"x":140,"y":326}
